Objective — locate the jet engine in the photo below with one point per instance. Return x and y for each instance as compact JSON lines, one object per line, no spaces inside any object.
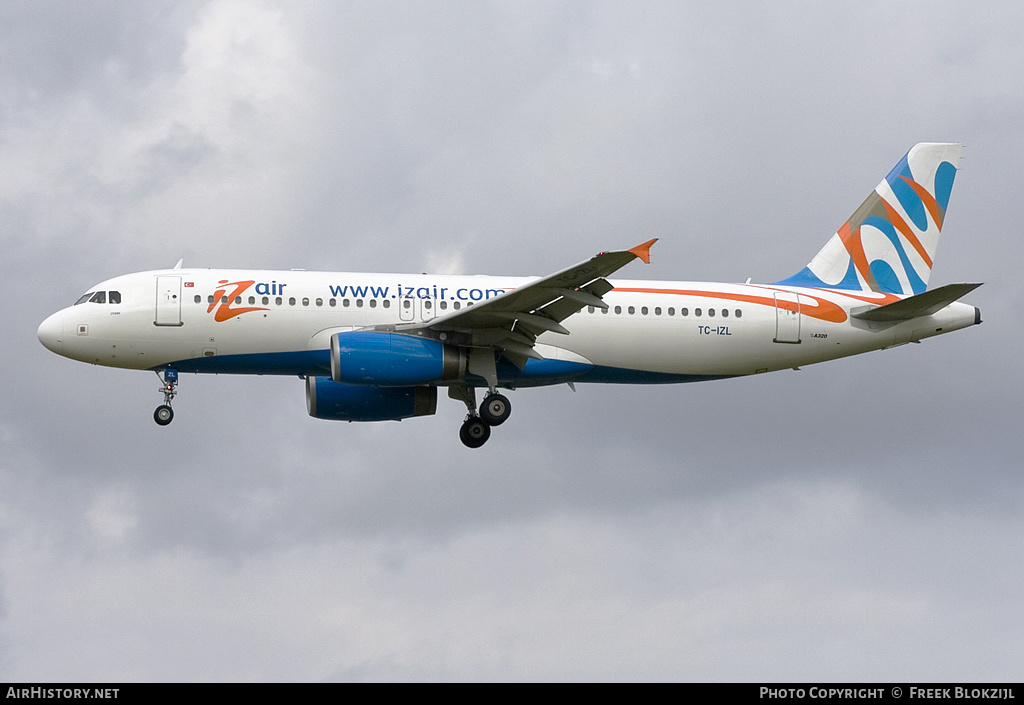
{"x":393,"y":360}
{"x":326,"y":399}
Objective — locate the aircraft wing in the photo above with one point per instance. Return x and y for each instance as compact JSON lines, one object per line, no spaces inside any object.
{"x":512,"y":321}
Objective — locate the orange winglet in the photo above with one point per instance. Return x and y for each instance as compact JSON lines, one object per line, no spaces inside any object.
{"x":643,"y":251}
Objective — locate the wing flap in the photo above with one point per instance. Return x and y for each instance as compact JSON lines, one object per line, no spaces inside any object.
{"x":564,"y":307}
{"x":580,"y":296}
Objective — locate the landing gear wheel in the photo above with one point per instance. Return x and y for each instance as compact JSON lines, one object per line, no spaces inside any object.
{"x":495,"y":409}
{"x":474,"y":432}
{"x":163,"y":414}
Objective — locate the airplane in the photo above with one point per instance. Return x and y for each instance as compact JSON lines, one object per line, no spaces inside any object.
{"x":374,"y":347}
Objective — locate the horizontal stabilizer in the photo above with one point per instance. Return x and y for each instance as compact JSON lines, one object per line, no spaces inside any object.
{"x":916,"y":306}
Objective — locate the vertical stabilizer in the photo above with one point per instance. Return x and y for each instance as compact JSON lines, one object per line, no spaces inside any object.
{"x":889,"y":243}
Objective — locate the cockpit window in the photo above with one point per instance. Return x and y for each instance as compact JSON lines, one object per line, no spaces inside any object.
{"x":100,"y":297}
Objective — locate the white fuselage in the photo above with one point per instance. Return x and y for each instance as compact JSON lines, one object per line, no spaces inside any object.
{"x":281,"y":322}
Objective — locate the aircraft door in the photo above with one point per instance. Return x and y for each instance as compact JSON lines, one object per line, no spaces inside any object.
{"x":168,"y":301}
{"x":787,"y":317}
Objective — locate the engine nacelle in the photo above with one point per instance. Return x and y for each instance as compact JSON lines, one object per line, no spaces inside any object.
{"x":393,"y":360}
{"x":326,"y":399}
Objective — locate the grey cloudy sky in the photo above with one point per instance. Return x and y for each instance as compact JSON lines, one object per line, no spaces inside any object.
{"x":856,"y":520}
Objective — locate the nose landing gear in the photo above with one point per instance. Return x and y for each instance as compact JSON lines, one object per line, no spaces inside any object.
{"x":164,"y":414}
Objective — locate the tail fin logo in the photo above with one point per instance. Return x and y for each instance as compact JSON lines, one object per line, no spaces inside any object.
{"x":888,"y":245}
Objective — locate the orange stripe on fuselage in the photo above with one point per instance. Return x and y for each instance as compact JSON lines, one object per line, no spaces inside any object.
{"x":823,"y":309}
{"x":886,"y":298}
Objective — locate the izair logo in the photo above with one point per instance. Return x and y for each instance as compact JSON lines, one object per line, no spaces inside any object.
{"x":231,"y":292}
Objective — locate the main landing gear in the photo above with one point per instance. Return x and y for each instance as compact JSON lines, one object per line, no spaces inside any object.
{"x":494,"y":411}
{"x":474,"y":432}
{"x":164,"y":414}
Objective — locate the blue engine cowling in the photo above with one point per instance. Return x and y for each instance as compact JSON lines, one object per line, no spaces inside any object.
{"x":326,"y":399}
{"x":393,"y":360}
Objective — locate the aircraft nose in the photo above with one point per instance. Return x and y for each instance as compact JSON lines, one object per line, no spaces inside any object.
{"x":51,"y":333}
